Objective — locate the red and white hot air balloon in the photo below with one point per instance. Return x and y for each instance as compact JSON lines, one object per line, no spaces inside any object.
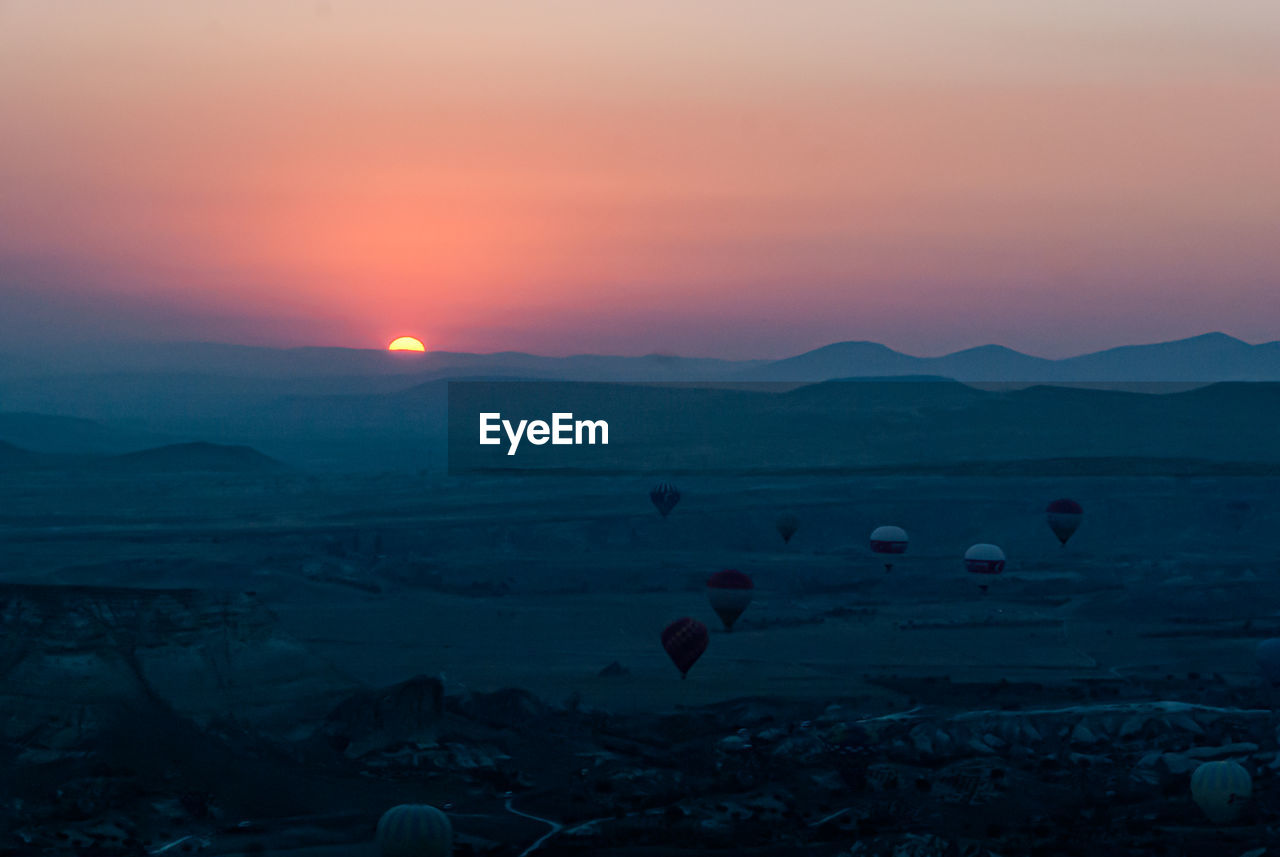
{"x":984,"y":559}
{"x":889,"y":542}
{"x":729,"y":592}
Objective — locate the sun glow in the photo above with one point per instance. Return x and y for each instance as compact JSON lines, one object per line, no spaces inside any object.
{"x":406,"y":343}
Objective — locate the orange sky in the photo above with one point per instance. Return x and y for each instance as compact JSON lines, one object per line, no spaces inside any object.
{"x":738,"y":179}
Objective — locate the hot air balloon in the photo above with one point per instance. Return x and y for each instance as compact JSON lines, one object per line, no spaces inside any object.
{"x":685,"y":640}
{"x":415,"y":830}
{"x":890,"y":542}
{"x":984,"y":559}
{"x":1268,"y":655}
{"x":664,"y":497}
{"x":787,"y":525}
{"x":1221,"y":790}
{"x":1064,"y":518}
{"x":729,"y":592}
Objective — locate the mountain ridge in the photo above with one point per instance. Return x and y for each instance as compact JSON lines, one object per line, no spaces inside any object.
{"x":188,"y":457}
{"x":1213,"y":356}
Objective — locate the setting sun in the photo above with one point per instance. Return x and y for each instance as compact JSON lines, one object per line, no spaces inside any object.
{"x":406,"y":343}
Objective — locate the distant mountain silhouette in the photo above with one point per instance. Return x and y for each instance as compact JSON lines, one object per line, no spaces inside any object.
{"x":362,"y":408}
{"x":854,"y":424}
{"x":1210,"y":357}
{"x":1207,"y":358}
{"x":194,"y":457}
{"x":206,"y":368}
{"x":855,"y":359}
{"x":16,"y":456}
{"x":333,"y":364}
{"x":896,"y":393}
{"x":199,"y":457}
{"x":59,"y":434}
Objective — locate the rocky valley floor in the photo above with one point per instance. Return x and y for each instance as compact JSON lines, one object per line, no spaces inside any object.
{"x":263,"y":666}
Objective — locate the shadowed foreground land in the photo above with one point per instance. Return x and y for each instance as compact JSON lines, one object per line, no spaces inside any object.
{"x":233,"y":658}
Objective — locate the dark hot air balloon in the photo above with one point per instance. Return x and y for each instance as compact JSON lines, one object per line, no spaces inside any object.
{"x":729,"y":592}
{"x":415,"y":830}
{"x":685,"y":640}
{"x":889,"y":542}
{"x":984,"y":559}
{"x":664,"y":497}
{"x":787,"y":525}
{"x":1268,"y":655}
{"x":1064,"y":518}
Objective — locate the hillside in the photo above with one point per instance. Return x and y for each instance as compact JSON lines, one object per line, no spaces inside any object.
{"x":53,"y":433}
{"x":194,"y":457}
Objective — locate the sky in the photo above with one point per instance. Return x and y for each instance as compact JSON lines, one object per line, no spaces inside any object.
{"x":732,"y":178}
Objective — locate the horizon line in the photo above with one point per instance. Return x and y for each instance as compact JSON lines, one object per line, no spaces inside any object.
{"x":418,"y":355}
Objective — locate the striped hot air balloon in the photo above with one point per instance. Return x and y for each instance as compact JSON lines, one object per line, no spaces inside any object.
{"x":729,"y":592}
{"x":1064,"y":518}
{"x":889,"y":542}
{"x":1221,"y":790}
{"x":685,"y":640}
{"x":415,"y":830}
{"x":984,"y":559}
{"x":664,"y":497}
